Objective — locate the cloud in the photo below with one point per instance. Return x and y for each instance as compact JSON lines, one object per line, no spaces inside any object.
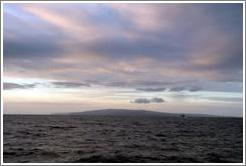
{"x":10,"y":86}
{"x":225,"y":99}
{"x":27,"y":37}
{"x":116,"y":46}
{"x":147,"y":17}
{"x":194,"y":88}
{"x":185,"y":88}
{"x":62,"y":18}
{"x":182,"y":86}
{"x":69,"y":84}
{"x":141,"y":101}
{"x":147,"y":101}
{"x":177,"y":89}
{"x":124,"y":48}
{"x":152,"y":89}
{"x":29,"y":48}
{"x":157,"y":100}
{"x":135,"y":83}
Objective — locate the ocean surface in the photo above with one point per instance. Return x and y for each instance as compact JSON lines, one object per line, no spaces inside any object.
{"x":92,"y":139}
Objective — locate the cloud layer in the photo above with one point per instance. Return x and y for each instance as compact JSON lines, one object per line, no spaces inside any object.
{"x":144,"y":50}
{"x":158,"y":41}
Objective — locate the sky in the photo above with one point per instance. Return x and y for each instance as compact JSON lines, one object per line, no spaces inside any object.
{"x":70,"y":57}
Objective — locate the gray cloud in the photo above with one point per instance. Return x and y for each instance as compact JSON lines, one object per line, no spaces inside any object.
{"x":147,"y":101}
{"x":69,"y":84}
{"x":185,"y":88}
{"x":195,"y":88}
{"x":140,"y":47}
{"x":22,"y":40}
{"x":10,"y":86}
{"x":180,"y":44}
{"x":177,"y":89}
{"x":157,"y":100}
{"x":225,"y":99}
{"x":141,"y":101}
{"x":152,"y":89}
{"x":136,"y":83}
{"x":29,"y":48}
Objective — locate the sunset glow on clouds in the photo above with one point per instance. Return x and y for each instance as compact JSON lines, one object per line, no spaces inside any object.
{"x":163,"y":57}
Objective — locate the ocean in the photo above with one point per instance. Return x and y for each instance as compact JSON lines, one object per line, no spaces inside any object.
{"x":109,"y":139}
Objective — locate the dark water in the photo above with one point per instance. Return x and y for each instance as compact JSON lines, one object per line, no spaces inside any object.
{"x":122,"y":139}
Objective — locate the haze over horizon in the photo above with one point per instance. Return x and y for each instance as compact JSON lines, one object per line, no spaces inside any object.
{"x":176,"y":58}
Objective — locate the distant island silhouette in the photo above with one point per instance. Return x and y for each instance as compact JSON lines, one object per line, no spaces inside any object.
{"x":136,"y":113}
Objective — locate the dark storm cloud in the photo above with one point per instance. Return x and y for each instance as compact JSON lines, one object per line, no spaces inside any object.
{"x":70,"y":84}
{"x":151,"y":89}
{"x":147,"y":101}
{"x":10,"y":86}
